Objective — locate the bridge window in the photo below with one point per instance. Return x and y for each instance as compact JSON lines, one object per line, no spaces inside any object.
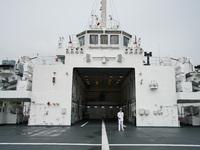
{"x":93,"y":39}
{"x":114,"y":39}
{"x":126,"y":41}
{"x":104,"y":39}
{"x":82,"y":41}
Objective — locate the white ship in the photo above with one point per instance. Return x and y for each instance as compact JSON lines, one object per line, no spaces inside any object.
{"x":102,"y":68}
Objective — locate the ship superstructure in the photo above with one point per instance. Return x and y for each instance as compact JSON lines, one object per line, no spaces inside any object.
{"x":15,"y":90}
{"x":104,"y":68}
{"x":188,"y":91}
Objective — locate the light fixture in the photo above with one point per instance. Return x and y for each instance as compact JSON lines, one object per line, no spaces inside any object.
{"x":88,"y":57}
{"x":141,"y":50}
{"x":136,"y":51}
{"x":104,"y":60}
{"x":148,"y":55}
{"x":119,"y":58}
{"x":54,"y":80}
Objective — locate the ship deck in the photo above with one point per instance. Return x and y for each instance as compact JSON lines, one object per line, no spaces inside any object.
{"x":98,"y":135}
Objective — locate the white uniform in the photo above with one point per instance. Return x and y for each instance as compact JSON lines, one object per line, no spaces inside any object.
{"x":120,"y":116}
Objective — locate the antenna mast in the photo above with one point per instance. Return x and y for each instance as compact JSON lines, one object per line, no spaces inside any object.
{"x":103,"y":13}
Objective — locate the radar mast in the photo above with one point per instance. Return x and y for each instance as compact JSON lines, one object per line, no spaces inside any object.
{"x":103,"y":13}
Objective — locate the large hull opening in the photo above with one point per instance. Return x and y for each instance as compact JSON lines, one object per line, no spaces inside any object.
{"x":99,"y":93}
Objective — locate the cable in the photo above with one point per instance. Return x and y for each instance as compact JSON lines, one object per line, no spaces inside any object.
{"x":116,"y":14}
{"x":95,"y":2}
{"x":111,"y":9}
{"x":96,"y":6}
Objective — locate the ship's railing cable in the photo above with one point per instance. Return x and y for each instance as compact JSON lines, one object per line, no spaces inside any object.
{"x":91,"y":13}
{"x":111,"y":10}
{"x":116,"y":14}
{"x":97,"y":1}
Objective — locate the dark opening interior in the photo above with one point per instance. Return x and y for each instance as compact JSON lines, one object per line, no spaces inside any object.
{"x":99,"y":93}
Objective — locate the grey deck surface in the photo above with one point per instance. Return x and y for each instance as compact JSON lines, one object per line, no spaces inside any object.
{"x":21,"y":137}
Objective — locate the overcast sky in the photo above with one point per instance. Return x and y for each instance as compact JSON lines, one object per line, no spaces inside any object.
{"x":28,"y":27}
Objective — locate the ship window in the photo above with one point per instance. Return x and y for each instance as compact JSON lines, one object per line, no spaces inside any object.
{"x":104,"y":39}
{"x":114,"y":39}
{"x":126,"y":41}
{"x":82,"y":41}
{"x":93,"y":39}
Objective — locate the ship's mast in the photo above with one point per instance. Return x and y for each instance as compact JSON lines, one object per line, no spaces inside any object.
{"x":103,"y":14}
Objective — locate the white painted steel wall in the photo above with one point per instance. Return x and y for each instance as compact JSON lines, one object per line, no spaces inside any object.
{"x":156,"y":107}
{"x":161,"y":101}
{"x":58,"y":112}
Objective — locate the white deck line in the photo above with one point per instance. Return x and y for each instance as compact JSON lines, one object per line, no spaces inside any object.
{"x":156,"y":145}
{"x":85,"y":144}
{"x":84,"y":124}
{"x":105,"y":145}
{"x":51,"y":144}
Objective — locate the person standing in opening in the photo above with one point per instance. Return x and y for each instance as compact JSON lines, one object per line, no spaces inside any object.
{"x":120,"y":116}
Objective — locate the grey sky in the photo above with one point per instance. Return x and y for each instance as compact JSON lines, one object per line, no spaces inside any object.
{"x":28,"y":27}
